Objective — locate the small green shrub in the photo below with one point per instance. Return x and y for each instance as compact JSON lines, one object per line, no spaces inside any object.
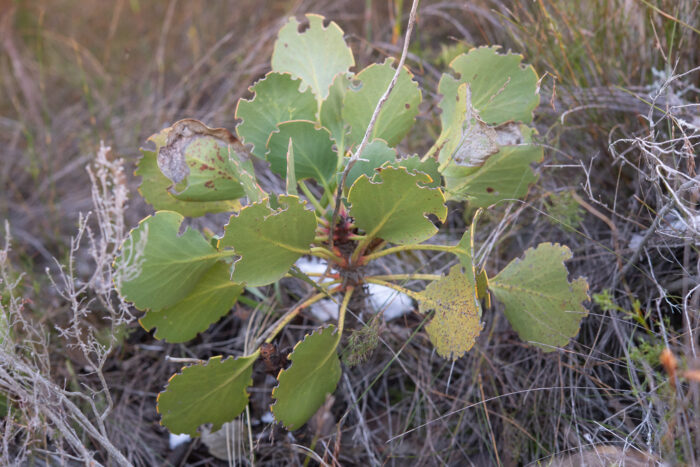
{"x":306,"y":118}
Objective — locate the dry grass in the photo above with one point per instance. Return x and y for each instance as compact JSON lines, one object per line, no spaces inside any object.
{"x":619,"y":101}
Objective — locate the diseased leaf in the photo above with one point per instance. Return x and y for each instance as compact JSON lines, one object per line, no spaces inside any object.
{"x":277,"y":99}
{"x":398,"y":113}
{"x":210,"y":299}
{"x":314,"y":373}
{"x":395,"y":206}
{"x":543,"y":307}
{"x":268,"y":240}
{"x":331,"y":115}
{"x":505,"y":175}
{"x":457,"y":320}
{"x":196,"y":160}
{"x":313,"y":151}
{"x":481,"y":164}
{"x":157,"y":267}
{"x":212,"y":393}
{"x":376,"y":154}
{"x":502,"y":89}
{"x":316,"y":55}
{"x":465,"y":141}
{"x":155,"y":187}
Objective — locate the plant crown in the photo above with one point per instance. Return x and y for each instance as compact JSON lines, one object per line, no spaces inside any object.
{"x":305,"y":119}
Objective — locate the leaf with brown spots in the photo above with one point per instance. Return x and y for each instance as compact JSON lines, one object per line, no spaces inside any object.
{"x":196,"y":160}
{"x":457,"y":320}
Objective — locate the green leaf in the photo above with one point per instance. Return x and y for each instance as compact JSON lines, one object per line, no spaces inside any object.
{"x":314,"y":373}
{"x":210,"y":299}
{"x":414,"y":165}
{"x":502,"y":89}
{"x":313,"y":151}
{"x":277,"y":99}
{"x":268,"y":240}
{"x":505,"y":175}
{"x":316,"y":55}
{"x":331,"y":115}
{"x":398,"y":113}
{"x":212,"y":393}
{"x":457,"y":320}
{"x":155,"y":187}
{"x":157,"y":267}
{"x":395,"y":207}
{"x":543,"y":307}
{"x":291,"y":178}
{"x":482,"y":288}
{"x":376,"y":153}
{"x":464,"y":250}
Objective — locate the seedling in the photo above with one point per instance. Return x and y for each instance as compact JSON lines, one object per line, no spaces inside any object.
{"x":306,"y":117}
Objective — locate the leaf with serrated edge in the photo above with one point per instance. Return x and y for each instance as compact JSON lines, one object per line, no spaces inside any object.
{"x":155,"y":186}
{"x":268,"y":240}
{"x":168,"y":266}
{"x":413,"y":164}
{"x":502,"y":89}
{"x":210,"y":299}
{"x":316,"y":55}
{"x":277,"y":99}
{"x":457,"y":320}
{"x":505,"y":175}
{"x":543,"y":307}
{"x":375,"y":154}
{"x":314,"y":372}
{"x":212,"y":393}
{"x":314,"y":156}
{"x":395,"y":207}
{"x":398,"y":113}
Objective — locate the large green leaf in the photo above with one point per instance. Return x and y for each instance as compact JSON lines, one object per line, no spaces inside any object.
{"x":157,"y":267}
{"x":212,"y":393}
{"x":505,"y":175}
{"x":313,"y":151}
{"x":155,"y":187}
{"x":398,"y":113}
{"x":457,"y":320}
{"x":331,"y":114}
{"x":314,"y":373}
{"x":269,"y":240}
{"x":316,"y":55}
{"x":210,"y":299}
{"x":541,"y":304}
{"x":375,"y":154}
{"x":277,"y":99}
{"x":502,"y":89}
{"x":395,"y":206}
